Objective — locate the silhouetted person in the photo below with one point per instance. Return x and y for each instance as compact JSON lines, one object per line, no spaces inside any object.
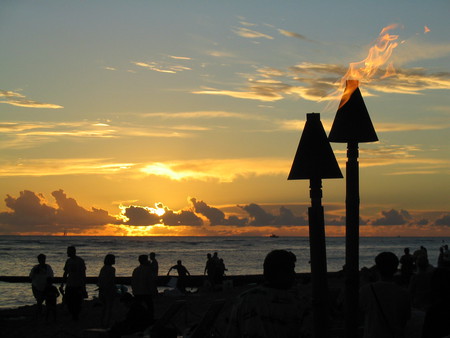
{"x":51,"y":295}
{"x":420,"y":284}
{"x":437,"y":317}
{"x":141,"y":284}
{"x":182,"y":275}
{"x":75,"y":278}
{"x":38,"y":275}
{"x":406,"y":266}
{"x":215,"y":268}
{"x":138,"y":317}
{"x":220,"y":271}
{"x":107,"y":288}
{"x":444,"y":257}
{"x":273,"y":309}
{"x":209,"y":269}
{"x":385,"y":304}
{"x":154,"y":266}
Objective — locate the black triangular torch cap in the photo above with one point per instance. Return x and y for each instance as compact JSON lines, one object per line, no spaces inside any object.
{"x":352,"y":122}
{"x":314,"y":157}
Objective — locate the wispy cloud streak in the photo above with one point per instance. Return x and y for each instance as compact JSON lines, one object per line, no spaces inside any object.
{"x":19,"y":100}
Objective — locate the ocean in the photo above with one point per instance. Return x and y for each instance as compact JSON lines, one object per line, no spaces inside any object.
{"x":242,"y":255}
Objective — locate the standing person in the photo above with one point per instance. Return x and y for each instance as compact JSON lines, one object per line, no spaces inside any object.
{"x":215,"y":268}
{"x":221,"y":270}
{"x":182,"y":275}
{"x":273,"y":309}
{"x":386,"y":305}
{"x":141,"y":282}
{"x":51,"y":295}
{"x":107,"y":288}
{"x":75,"y":278}
{"x":154,"y":266}
{"x":209,"y":269}
{"x":445,"y":257}
{"x":38,"y":275}
{"x":437,"y":324}
{"x":406,"y":266}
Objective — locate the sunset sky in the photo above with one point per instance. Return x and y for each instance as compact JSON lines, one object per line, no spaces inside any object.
{"x":183,"y":117}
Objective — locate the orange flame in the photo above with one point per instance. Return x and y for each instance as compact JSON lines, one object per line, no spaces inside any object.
{"x":365,"y":70}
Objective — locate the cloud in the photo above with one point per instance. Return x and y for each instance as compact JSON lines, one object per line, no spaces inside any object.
{"x":179,"y":57}
{"x":260,"y":217}
{"x":251,"y":34}
{"x":71,"y":214}
{"x":30,"y":213}
{"x":140,"y":216}
{"x":207,"y":114}
{"x":32,"y":134}
{"x":56,"y":167}
{"x":217,"y":53}
{"x":215,"y":215}
{"x":182,"y":217}
{"x":265,"y":94}
{"x":164,"y":66}
{"x":443,"y":220}
{"x":322,"y":82}
{"x":19,"y":100}
{"x":144,"y":216}
{"x":222,"y":170}
{"x":294,"y":35}
{"x":392,"y":217}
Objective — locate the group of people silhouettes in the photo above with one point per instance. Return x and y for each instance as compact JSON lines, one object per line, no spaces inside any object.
{"x":214,"y":269}
{"x":407,"y":302}
{"x":394,"y":293}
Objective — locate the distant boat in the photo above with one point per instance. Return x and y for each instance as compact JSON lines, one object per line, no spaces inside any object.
{"x":273,"y":236}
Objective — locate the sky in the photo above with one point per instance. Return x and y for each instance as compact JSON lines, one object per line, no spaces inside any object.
{"x":183,"y":117}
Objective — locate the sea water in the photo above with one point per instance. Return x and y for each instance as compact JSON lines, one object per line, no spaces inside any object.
{"x":242,"y":255}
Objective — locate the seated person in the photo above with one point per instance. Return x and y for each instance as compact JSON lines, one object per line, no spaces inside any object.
{"x":273,"y":309}
{"x":137,"y":317}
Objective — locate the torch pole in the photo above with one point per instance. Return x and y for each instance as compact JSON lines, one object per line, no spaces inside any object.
{"x":352,"y":202}
{"x":318,"y":261}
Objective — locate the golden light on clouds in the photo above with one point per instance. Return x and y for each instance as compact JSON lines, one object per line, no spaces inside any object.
{"x":19,"y":100}
{"x":222,"y":170}
{"x":57,"y":167}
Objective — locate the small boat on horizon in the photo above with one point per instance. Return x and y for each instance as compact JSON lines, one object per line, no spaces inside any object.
{"x":273,"y":236}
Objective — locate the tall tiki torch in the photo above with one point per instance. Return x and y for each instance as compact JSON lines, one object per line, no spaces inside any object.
{"x":315,"y":160}
{"x":352,"y":125}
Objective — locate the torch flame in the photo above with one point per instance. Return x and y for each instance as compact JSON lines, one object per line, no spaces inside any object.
{"x":364,"y":71}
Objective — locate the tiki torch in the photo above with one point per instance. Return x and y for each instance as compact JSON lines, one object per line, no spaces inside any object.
{"x":315,"y":160}
{"x":352,"y":125}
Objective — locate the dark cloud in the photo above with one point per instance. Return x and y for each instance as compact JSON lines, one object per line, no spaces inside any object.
{"x":70,"y":213}
{"x":140,"y":216}
{"x":444,"y":220}
{"x":183,"y":217}
{"x":215,"y":215}
{"x":392,"y":217}
{"x":260,"y":217}
{"x":30,"y":213}
{"x":287,"y":217}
